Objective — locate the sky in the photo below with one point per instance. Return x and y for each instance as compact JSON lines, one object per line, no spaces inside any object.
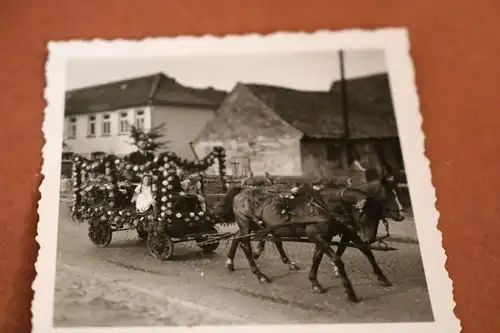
{"x":303,"y":71}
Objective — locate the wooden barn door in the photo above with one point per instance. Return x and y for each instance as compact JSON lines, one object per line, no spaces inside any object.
{"x":240,"y":166}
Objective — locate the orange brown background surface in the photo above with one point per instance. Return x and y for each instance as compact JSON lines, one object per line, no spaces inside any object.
{"x":455,"y":46}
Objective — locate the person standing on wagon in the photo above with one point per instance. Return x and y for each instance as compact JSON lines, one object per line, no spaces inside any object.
{"x":248,"y":181}
{"x":144,"y":196}
{"x":268,"y":181}
{"x":357,"y":169}
{"x":192,"y":186}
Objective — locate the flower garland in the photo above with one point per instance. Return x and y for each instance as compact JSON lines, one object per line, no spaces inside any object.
{"x":220,"y":154}
{"x":97,"y":202}
{"x":77,"y":183}
{"x":111,"y":186}
{"x":287,"y":199}
{"x":168,"y":171}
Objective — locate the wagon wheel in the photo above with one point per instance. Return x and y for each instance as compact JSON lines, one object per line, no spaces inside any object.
{"x":210,"y":247}
{"x":100,"y":233}
{"x":142,"y":232}
{"x":160,"y":246}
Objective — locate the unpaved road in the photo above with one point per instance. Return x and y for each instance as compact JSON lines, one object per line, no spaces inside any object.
{"x":123,"y":286}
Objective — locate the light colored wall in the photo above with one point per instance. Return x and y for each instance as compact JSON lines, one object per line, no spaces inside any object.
{"x":250,"y":131}
{"x":182,"y":125}
{"x":115,"y":143}
{"x":278,"y":156}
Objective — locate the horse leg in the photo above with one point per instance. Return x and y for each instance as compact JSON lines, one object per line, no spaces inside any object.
{"x":284,"y":257}
{"x":365,"y":249}
{"x":316,"y":261}
{"x":340,"y":251}
{"x":279,"y":246}
{"x":246,"y":245}
{"x":232,"y":252}
{"x":323,"y":245}
{"x":247,"y":248}
{"x":261,"y":246}
{"x":313,"y":272}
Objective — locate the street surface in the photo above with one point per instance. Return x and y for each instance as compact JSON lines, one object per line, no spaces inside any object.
{"x":123,"y":286}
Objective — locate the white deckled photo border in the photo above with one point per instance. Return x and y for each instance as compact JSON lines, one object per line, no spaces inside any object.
{"x":394,"y":41}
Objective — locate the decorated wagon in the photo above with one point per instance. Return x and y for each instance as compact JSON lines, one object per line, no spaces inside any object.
{"x":104,"y":190}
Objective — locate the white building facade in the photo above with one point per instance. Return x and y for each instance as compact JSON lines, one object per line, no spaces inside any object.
{"x":106,"y":131}
{"x":98,"y":119}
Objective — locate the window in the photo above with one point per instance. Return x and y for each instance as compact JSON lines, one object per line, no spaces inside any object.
{"x":67,"y":156}
{"x":91,"y":127}
{"x":139,"y":120}
{"x":334,"y":155}
{"x":106,"y":125}
{"x":240,"y":166}
{"x":95,"y":155}
{"x":123,"y":123}
{"x":72,"y":128}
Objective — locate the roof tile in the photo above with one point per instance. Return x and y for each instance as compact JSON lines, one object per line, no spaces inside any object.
{"x":319,"y":114}
{"x":157,"y":88}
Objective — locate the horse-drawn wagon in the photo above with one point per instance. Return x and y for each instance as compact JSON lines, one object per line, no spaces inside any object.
{"x":103,"y":192}
{"x":103,"y":197}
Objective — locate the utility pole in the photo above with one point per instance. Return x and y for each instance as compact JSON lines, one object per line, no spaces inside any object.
{"x":345,"y":110}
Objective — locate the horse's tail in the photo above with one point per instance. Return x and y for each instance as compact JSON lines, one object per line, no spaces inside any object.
{"x":224,"y":209}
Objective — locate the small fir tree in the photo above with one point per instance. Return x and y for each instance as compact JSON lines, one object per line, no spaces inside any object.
{"x":149,"y":141}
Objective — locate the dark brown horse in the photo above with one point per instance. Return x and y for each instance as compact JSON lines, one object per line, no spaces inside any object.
{"x":327,"y":224}
{"x":248,"y":205}
{"x":365,"y":205}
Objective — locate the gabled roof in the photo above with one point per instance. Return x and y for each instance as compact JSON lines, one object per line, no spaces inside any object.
{"x":309,"y":112}
{"x":372,"y":90}
{"x":319,"y":114}
{"x":210,"y":93}
{"x":155,"y":89}
{"x":244,"y":117}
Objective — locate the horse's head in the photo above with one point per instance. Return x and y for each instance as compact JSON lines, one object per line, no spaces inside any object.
{"x":380,"y":202}
{"x":367,"y":204}
{"x":387,"y":194}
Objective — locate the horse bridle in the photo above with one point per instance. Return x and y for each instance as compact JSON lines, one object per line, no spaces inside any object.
{"x":361,"y":210}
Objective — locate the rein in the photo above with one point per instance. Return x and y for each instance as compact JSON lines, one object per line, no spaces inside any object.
{"x":326,"y":210}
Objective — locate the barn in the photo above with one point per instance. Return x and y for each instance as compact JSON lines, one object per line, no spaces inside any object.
{"x":288,"y":132}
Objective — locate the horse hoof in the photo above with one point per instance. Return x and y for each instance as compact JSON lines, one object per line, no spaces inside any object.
{"x":353,"y":298}
{"x":264,"y":279}
{"x":293,"y":267}
{"x":385,"y":282}
{"x":318,"y":289}
{"x":230,"y":267}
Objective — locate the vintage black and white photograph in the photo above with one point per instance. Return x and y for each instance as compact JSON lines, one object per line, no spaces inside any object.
{"x":240,"y":182}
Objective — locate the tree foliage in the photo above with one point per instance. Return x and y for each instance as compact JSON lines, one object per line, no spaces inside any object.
{"x":149,"y":140}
